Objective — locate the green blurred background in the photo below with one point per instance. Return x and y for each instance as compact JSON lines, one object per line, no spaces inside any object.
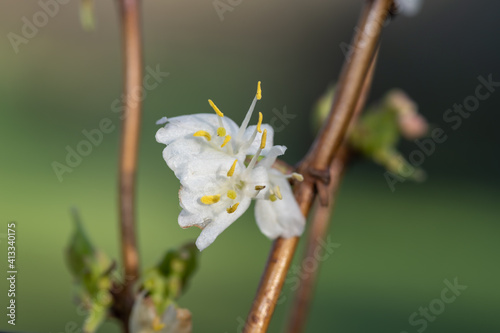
{"x":396,"y":248}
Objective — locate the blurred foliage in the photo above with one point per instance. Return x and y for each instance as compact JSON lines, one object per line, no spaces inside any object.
{"x":169,"y":278}
{"x":91,"y":269}
{"x":378,"y":131}
{"x":162,"y":285}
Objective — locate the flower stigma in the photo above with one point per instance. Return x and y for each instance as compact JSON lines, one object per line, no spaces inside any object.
{"x":221,"y":131}
{"x":231,"y":194}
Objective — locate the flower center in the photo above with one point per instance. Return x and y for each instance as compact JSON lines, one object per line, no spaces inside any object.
{"x":236,"y":183}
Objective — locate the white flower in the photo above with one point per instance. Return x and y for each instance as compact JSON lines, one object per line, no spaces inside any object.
{"x":207,"y":153}
{"x":144,"y":318}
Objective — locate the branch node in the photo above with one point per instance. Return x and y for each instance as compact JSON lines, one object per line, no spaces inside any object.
{"x":321,"y":176}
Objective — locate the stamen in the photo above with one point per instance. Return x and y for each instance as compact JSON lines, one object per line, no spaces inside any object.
{"x":260,"y":187}
{"x":245,"y":122}
{"x":277,"y":191}
{"x":203,"y":133}
{"x":233,"y":208}
{"x":226,"y":140}
{"x":231,"y":194}
{"x":249,"y":142}
{"x":157,"y":325}
{"x":221,"y":131}
{"x":216,"y":109}
{"x":297,"y":176}
{"x":259,"y":123}
{"x":231,"y":171}
{"x":210,"y":199}
{"x":263,"y":140}
{"x":256,"y":156}
{"x":273,"y":198}
{"x":259,"y":92}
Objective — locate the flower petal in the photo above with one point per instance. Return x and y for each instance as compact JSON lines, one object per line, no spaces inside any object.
{"x":281,"y":218}
{"x":219,"y":224}
{"x":189,"y":200}
{"x":258,"y":177}
{"x":194,"y":155}
{"x":187,"y":220}
{"x":142,"y":314}
{"x":185,"y":126}
{"x":178,"y":154}
{"x":207,"y":174}
{"x":272,"y":155}
{"x":176,"y":320}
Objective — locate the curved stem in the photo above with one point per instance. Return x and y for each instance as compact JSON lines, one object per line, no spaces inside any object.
{"x":319,"y":159}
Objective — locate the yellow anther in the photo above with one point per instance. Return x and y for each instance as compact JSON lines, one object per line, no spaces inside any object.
{"x":157,"y":325}
{"x":221,"y":131}
{"x":231,"y":194}
{"x":231,"y":171}
{"x":210,"y":199}
{"x":273,"y":198}
{"x":203,"y":133}
{"x":263,"y":140}
{"x":259,"y":92}
{"x":277,"y":191}
{"x":297,"y":176}
{"x":216,"y":109}
{"x":259,"y":187}
{"x":259,"y":123}
{"x":232,"y":209}
{"x":226,"y":140}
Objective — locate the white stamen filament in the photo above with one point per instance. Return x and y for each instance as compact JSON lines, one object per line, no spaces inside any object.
{"x":245,"y":122}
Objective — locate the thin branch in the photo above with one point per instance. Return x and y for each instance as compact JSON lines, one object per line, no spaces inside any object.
{"x":321,"y":221}
{"x":317,"y":230}
{"x":318,"y":161}
{"x":132,"y":49}
{"x":350,"y":85}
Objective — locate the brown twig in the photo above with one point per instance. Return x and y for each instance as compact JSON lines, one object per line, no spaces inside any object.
{"x":321,"y":220}
{"x":132,"y":49}
{"x":319,"y":159}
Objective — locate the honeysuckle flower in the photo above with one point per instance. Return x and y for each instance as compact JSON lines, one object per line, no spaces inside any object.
{"x":144,"y":318}
{"x":207,"y":152}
